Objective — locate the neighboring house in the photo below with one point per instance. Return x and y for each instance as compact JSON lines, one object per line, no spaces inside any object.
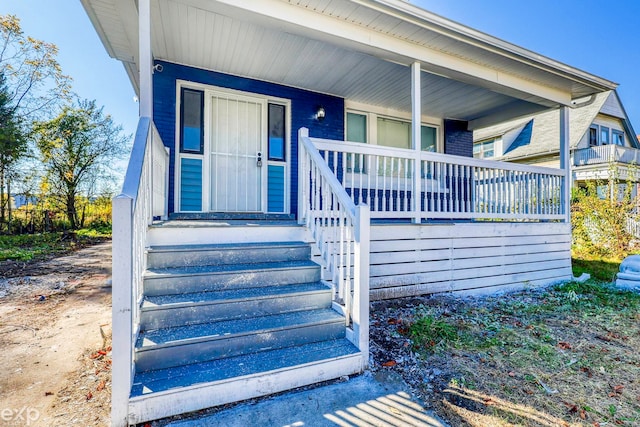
{"x":250,"y":236}
{"x":603,"y":145}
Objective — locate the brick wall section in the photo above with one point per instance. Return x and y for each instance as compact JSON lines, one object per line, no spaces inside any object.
{"x":458,"y":141}
{"x":304,"y":104}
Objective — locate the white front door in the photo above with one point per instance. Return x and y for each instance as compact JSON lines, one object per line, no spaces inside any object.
{"x":237,"y":142}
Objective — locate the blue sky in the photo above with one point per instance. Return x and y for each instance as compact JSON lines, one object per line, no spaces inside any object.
{"x":597,"y":36}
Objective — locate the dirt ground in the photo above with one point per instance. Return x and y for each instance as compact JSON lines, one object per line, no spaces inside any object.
{"x":55,"y":333}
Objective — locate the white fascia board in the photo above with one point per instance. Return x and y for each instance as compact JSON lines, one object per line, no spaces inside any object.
{"x":393,"y":49}
{"x":480,"y":39}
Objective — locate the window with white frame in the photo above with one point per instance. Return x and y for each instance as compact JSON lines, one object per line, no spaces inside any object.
{"x":484,"y":149}
{"x":389,"y":131}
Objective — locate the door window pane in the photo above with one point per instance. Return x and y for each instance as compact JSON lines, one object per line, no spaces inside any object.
{"x":276,"y":132}
{"x":192,"y":138}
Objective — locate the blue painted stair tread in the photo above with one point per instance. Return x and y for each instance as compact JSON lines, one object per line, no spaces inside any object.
{"x":224,"y":369}
{"x":159,"y":301}
{"x":222,"y":330}
{"x":629,"y":275}
{"x":230,"y":268}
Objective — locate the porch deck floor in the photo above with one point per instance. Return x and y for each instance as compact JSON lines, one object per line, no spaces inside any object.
{"x":180,"y":223}
{"x":192,"y":223}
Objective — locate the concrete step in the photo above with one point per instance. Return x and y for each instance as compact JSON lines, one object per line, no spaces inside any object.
{"x":238,"y":366}
{"x":165,"y":348}
{"x":177,"y":280}
{"x":164,"y":256}
{"x":167,"y":311}
{"x":162,"y":393}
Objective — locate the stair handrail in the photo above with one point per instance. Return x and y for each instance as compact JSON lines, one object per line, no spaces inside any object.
{"x":144,"y":197}
{"x":339,"y":226}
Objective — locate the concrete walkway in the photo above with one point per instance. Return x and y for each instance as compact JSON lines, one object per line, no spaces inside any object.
{"x":380,"y":400}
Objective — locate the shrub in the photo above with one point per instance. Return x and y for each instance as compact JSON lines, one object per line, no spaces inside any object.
{"x":600,"y":223}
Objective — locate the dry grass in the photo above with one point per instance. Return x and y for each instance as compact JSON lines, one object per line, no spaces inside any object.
{"x":562,"y":357}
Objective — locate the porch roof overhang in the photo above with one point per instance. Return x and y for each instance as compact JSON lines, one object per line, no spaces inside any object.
{"x":360,"y":50}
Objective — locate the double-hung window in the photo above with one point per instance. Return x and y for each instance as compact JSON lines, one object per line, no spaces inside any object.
{"x":484,"y":149}
{"x":384,"y":131}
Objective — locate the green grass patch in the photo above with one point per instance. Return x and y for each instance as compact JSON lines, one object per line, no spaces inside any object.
{"x":598,"y":268}
{"x":26,"y":247}
{"x":559,"y":351}
{"x":427,"y":332}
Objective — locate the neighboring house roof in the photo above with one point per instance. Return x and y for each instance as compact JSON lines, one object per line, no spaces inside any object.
{"x":539,"y":134}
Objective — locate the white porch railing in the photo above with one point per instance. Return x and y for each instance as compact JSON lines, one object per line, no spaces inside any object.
{"x":633,"y":227}
{"x":448,"y":187}
{"x":606,"y":154}
{"x":143,"y":197}
{"x":341,"y":231}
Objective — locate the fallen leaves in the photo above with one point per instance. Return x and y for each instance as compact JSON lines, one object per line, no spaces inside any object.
{"x":574,"y":409}
{"x":587,"y":371}
{"x":564,"y":345}
{"x":616,"y":390}
{"x":390,"y":363}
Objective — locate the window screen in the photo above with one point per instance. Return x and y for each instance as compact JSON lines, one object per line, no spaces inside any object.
{"x":394,"y":133}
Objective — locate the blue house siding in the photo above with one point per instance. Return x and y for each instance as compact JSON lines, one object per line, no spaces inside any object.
{"x":275,"y":193}
{"x":458,"y":141}
{"x":191,"y":185}
{"x":304,"y":105}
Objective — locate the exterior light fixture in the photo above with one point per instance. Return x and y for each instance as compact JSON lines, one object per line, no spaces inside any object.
{"x":320,"y":114}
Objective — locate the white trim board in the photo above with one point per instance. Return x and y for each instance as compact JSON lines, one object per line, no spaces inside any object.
{"x":209,"y":92}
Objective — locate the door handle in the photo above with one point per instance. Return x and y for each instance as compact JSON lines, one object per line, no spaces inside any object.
{"x":259,"y":162}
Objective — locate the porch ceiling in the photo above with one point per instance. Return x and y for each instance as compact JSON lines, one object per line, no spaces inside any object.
{"x":357,"y":49}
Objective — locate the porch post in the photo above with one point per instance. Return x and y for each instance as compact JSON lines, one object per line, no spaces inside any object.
{"x":565,"y":164}
{"x":145,"y":58}
{"x":416,"y":122}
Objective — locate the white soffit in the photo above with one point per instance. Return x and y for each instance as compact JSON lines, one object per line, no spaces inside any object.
{"x":335,"y":47}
